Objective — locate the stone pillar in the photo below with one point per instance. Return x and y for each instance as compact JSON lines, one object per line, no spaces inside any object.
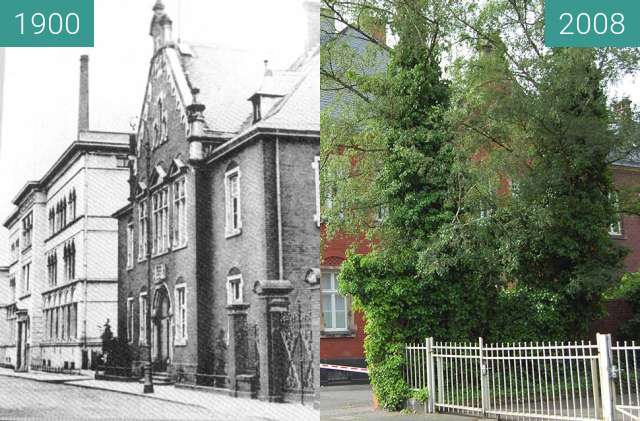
{"x":238,"y":344}
{"x":273,"y":359}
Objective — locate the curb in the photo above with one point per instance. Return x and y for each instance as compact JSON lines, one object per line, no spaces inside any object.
{"x":141,"y":395}
{"x":51,"y":381}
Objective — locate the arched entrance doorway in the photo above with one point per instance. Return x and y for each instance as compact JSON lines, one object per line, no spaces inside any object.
{"x":161,"y":329}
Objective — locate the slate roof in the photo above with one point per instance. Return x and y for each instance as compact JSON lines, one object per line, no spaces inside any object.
{"x":226,"y":77}
{"x":300,"y":108}
{"x":359,"y":45}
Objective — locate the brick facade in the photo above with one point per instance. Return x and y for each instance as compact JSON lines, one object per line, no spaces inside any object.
{"x":233,"y":335}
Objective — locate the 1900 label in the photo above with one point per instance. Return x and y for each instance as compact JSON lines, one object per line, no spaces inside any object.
{"x":47,"y":23}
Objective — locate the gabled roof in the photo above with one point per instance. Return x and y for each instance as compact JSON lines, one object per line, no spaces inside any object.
{"x":226,"y":77}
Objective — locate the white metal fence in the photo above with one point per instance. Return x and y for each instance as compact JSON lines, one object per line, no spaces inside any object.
{"x":537,"y":381}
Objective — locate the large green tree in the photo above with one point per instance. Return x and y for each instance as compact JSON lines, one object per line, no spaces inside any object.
{"x":494,"y":180}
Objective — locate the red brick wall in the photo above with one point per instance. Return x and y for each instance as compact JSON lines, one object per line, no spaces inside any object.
{"x":343,"y":347}
{"x":618,"y":311}
{"x":626,"y":176}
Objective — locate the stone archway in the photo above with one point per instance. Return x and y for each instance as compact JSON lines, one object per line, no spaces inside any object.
{"x":161,"y":346}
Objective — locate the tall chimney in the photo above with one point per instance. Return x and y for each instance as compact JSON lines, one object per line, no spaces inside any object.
{"x":312,"y":12}
{"x":83,"y":105}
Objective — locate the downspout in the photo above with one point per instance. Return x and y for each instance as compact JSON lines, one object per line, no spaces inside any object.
{"x":279,"y":205}
{"x":84,"y":252}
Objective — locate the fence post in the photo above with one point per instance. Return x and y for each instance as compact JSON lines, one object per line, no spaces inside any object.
{"x":431,"y":384}
{"x":606,"y":383}
{"x":484,"y":374}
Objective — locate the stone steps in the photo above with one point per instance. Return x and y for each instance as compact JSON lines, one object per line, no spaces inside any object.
{"x":160,"y":378}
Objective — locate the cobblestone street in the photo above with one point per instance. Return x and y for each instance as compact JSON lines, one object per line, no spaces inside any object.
{"x":82,"y":398}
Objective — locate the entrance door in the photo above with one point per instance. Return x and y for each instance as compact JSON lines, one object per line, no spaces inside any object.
{"x":162,"y":331}
{"x":19,"y":345}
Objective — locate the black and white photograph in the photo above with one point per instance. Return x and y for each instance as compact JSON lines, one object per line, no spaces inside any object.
{"x":161,"y":216}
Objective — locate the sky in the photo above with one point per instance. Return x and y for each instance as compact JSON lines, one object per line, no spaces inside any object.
{"x":39,"y":103}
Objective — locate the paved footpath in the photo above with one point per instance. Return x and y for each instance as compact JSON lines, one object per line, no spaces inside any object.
{"x":225,"y":406}
{"x":354,"y":402}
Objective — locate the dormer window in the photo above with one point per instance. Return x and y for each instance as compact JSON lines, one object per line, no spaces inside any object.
{"x":257,"y":112}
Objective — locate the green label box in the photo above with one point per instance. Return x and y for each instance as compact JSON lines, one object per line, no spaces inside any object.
{"x":592,"y":23}
{"x":46,"y":23}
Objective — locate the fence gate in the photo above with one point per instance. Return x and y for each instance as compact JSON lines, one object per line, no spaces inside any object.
{"x":527,"y":381}
{"x":624,"y":379}
{"x":297,"y":339}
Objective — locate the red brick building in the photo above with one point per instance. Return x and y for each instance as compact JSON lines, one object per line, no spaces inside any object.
{"x":230,"y":200}
{"x":342,"y":336}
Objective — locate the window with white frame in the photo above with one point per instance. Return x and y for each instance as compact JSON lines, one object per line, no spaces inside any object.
{"x":316,"y":173}
{"x":129,"y":245}
{"x":181,"y":314}
{"x":143,"y":220}
{"x":234,"y":288}
{"x":616,"y":227}
{"x":142,"y":339}
{"x":232,"y":202}
{"x":179,"y":213}
{"x":160,"y":225}
{"x":130,"y":319}
{"x":334,"y":305}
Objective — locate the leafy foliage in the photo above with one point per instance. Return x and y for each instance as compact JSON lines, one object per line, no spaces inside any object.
{"x":494,"y":177}
{"x":629,"y":290}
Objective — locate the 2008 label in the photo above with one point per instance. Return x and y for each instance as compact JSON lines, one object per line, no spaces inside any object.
{"x":599,"y":24}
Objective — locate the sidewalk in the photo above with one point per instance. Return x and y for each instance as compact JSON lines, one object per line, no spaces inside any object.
{"x":214,"y":402}
{"x":354,"y":402}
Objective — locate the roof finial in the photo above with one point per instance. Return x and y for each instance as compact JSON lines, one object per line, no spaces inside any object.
{"x":159,"y":6}
{"x":267,"y":71}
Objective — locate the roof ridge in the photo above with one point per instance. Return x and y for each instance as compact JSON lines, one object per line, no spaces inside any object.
{"x":275,"y":110}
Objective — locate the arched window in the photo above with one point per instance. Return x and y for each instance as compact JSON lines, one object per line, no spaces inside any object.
{"x":235,"y":286}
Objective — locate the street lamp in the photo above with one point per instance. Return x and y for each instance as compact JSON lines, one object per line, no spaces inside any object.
{"x":148,"y":377}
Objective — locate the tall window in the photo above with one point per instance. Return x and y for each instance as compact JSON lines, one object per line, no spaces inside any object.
{"x":69,"y":255}
{"x":72,"y":204}
{"x":130,"y":319}
{"x":316,"y":173}
{"x":334,"y":305}
{"x":27,"y":230}
{"x":26,"y":278}
{"x":142,"y":340}
{"x":52,"y":268}
{"x":616,"y":227}
{"x":160,"y":221}
{"x":179,"y":213}
{"x":181,"y":314}
{"x":130,"y":245}
{"x":143,"y":218}
{"x":232,"y":202}
{"x":234,"y":288}
{"x":52,"y":221}
{"x":63,"y":209}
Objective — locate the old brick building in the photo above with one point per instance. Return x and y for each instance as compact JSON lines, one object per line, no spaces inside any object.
{"x":62,"y":280}
{"x":225,"y":178}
